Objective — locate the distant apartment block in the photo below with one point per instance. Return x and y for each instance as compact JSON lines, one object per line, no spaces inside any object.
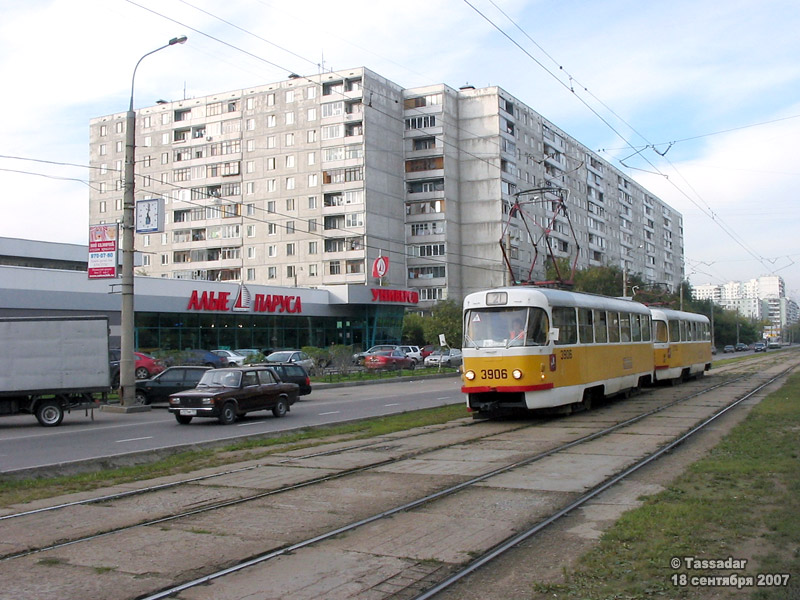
{"x":305,"y":182}
{"x":761,"y":298}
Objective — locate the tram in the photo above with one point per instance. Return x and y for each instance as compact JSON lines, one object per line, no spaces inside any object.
{"x":681,"y":344}
{"x":531,"y":348}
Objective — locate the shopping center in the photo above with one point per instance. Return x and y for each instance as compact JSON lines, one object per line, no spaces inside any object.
{"x":44,"y":279}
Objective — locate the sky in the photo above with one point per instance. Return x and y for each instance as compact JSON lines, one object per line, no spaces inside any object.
{"x":697,"y":100}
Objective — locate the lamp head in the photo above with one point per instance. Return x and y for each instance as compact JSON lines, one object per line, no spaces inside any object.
{"x":177,"y":40}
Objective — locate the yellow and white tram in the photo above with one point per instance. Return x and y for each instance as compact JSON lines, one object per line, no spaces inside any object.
{"x":681,"y":344}
{"x":574,"y":347}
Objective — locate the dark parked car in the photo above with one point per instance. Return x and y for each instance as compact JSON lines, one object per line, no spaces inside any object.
{"x":741,"y":347}
{"x":728,"y":348}
{"x":200,"y":357}
{"x":169,"y":381}
{"x":390,"y":360}
{"x":760,"y":347}
{"x":292,"y":373}
{"x":226,"y":394}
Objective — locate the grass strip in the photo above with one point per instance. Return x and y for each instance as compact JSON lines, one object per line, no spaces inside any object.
{"x":739,"y":502}
{"x":15,"y":491}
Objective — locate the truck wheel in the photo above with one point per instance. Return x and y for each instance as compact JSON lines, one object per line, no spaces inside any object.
{"x":49,"y":413}
{"x":280,"y":408}
{"x":228,"y":414}
{"x":183,"y":419}
{"x":140,"y":398}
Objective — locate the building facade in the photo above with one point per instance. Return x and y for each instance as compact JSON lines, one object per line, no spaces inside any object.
{"x":48,"y":279}
{"x":307,"y":181}
{"x":760,"y":299}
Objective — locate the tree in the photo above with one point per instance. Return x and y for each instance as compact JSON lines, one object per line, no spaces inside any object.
{"x":413,"y":329}
{"x":445,"y":318}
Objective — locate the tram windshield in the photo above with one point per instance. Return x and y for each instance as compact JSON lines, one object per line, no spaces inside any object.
{"x":505,"y":327}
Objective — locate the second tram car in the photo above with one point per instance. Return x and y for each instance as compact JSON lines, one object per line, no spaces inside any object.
{"x":528,"y":348}
{"x":681,"y":344}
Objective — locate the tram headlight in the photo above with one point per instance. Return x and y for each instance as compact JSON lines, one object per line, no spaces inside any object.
{"x":470,"y":375}
{"x":516,"y":374}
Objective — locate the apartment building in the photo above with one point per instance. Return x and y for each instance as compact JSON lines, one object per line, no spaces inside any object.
{"x":307,"y":182}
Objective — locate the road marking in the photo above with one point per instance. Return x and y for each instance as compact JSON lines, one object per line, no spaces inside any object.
{"x":135,"y":439}
{"x":444,"y":398}
{"x":336,"y":412}
{"x":393,"y":404}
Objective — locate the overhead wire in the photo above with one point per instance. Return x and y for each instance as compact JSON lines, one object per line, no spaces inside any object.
{"x":710,"y":213}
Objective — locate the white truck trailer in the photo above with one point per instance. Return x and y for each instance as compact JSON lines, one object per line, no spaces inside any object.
{"x":52,"y":365}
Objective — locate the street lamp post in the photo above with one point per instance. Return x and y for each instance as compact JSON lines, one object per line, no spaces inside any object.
{"x":127,"y":377}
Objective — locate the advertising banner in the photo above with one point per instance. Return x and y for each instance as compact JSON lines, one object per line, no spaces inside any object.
{"x":103,"y":246}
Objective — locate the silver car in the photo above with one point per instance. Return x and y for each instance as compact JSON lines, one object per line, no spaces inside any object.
{"x":297,"y":357}
{"x":446,"y":357}
{"x":232,"y":358}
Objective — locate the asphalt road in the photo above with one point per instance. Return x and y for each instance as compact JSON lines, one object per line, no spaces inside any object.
{"x":24,"y":444}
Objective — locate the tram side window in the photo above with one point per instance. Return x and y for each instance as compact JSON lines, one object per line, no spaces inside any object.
{"x":706,"y":332}
{"x":645,"y":328}
{"x":600,"y":328}
{"x":564,"y":320}
{"x":625,"y":327}
{"x":613,"y":326}
{"x":674,"y":331}
{"x":661,"y":332}
{"x":636,"y":328}
{"x":585,"y":325}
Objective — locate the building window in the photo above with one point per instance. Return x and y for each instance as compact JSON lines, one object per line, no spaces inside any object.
{"x":354,"y":266}
{"x":424,"y":143}
{"x":312,"y":247}
{"x":251,"y":274}
{"x":272,"y":251}
{"x":289,"y":226}
{"x":313,"y":180}
{"x":251,"y":231}
{"x":290,"y":183}
{"x":272,"y":229}
{"x":335,"y":267}
{"x":311,"y":136}
{"x":311,"y":115}
{"x":290,"y":249}
{"x":289,"y":95}
{"x":289,"y":118}
{"x":312,"y":225}
{"x":421,"y":122}
{"x":272,"y":272}
{"x":312,"y":202}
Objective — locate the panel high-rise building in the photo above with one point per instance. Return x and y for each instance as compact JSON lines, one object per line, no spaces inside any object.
{"x":308,"y":181}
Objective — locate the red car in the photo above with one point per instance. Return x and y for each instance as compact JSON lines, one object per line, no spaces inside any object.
{"x":389,"y":360}
{"x":147,"y":366}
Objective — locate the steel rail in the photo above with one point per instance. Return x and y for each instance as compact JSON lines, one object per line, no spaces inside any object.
{"x":515,"y":540}
{"x":165,"y":593}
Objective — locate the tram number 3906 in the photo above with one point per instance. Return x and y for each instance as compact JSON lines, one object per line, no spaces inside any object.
{"x":494,"y":373}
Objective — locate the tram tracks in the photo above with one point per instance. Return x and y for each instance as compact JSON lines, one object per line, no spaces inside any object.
{"x":328,"y":532}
